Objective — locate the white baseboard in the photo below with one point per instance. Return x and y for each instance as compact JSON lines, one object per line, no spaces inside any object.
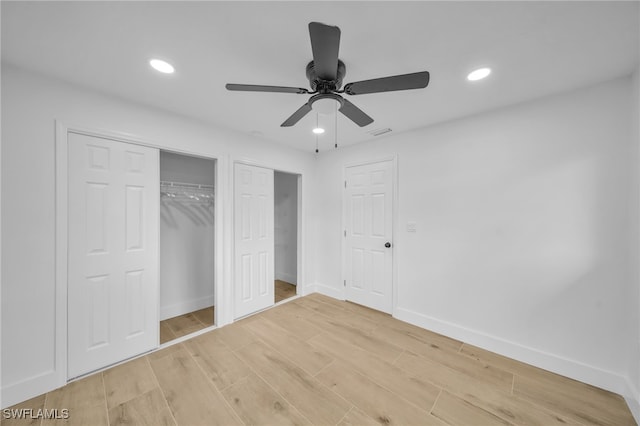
{"x":286,"y":277}
{"x":30,"y":388}
{"x":632,"y":396}
{"x":326,"y":290}
{"x":566,"y":367}
{"x":185,"y":307}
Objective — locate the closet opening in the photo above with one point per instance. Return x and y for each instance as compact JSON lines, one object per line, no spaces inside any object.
{"x":187,"y":232}
{"x":286,"y":196}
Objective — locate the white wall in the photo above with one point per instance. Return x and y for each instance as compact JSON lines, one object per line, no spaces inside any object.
{"x":186,"y":239}
{"x":30,"y":106}
{"x":522,"y":229}
{"x":634,"y":252}
{"x":286,"y":226}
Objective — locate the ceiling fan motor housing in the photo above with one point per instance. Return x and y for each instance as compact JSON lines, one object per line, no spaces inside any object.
{"x":325,"y":86}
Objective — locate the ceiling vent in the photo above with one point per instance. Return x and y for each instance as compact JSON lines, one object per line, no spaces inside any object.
{"x":378,"y":132}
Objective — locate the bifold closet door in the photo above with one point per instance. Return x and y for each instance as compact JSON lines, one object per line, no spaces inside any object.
{"x":114,"y":191}
{"x":254,"y":239}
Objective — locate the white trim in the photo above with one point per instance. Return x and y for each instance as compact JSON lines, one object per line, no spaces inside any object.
{"x":577,"y":370}
{"x":632,"y":397}
{"x":336,"y":293}
{"x":185,"y":307}
{"x":300,"y":261}
{"x":394,"y":227}
{"x":29,"y":388}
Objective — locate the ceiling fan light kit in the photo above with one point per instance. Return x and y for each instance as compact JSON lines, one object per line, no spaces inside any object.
{"x":325,"y":74}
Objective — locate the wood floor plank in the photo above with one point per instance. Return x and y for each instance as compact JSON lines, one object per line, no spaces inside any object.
{"x":355,"y":417}
{"x":192,"y":398}
{"x":184,"y":324}
{"x":127,"y":381}
{"x":359,"y":337}
{"x":291,"y":317}
{"x":258,"y":404}
{"x":301,"y":353}
{"x":308,"y":395}
{"x":477,"y":369}
{"x":147,"y":409}
{"x":576,"y":400}
{"x":218,"y":362}
{"x":448,"y":378}
{"x":85,"y":400}
{"x":570,"y":398}
{"x":411,"y":337}
{"x":327,"y":311}
{"x":166,"y":335}
{"x":455,"y":411}
{"x":375,"y":401}
{"x":284,"y":290}
{"x":410,"y":387}
{"x":502,"y":362}
{"x":235,"y":335}
{"x":164,"y":351}
{"x":483,"y":394}
{"x":205,"y":316}
{"x":551,"y":390}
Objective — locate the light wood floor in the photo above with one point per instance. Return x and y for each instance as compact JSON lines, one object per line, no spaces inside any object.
{"x":284,"y":290}
{"x":319,"y":361}
{"x":186,"y":324}
{"x":191,"y":322}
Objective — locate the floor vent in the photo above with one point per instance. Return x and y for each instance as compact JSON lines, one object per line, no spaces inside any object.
{"x":378,"y":132}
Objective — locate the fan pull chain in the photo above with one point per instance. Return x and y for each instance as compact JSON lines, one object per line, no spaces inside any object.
{"x":335,"y":133}
{"x":316,"y":133}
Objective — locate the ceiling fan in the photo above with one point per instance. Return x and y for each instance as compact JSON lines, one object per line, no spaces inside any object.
{"x":325,"y":73}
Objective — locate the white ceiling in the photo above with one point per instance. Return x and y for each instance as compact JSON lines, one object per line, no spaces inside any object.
{"x":534,"y":48}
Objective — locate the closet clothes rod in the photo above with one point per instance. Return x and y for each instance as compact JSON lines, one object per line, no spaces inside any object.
{"x":184,"y":185}
{"x":187,"y":192}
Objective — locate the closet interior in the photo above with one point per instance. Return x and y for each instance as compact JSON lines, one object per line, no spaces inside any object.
{"x":187,"y":231}
{"x":285,"y":234}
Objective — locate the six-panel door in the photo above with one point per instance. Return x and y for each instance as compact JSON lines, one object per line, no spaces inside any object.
{"x":253,"y":239}
{"x":113,"y":252}
{"x":369,"y":241}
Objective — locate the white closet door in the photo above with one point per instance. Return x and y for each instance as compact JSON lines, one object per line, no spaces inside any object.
{"x":114,"y":191}
{"x":369,"y":254}
{"x":254,"y":239}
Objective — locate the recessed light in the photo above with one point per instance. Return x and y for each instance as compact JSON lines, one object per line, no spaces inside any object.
{"x":162,"y":66}
{"x":479,"y":74}
{"x":318,"y":130}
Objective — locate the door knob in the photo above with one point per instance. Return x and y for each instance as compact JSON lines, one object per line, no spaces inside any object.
{"x":387,"y":244}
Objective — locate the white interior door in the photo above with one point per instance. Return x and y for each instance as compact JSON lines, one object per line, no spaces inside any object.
{"x":368,"y":203}
{"x":254,"y":240}
{"x":114,"y":191}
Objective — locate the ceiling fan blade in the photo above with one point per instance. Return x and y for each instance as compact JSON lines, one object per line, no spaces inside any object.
{"x":296,"y":116}
{"x":325,"y":44}
{"x":355,"y":114}
{"x":258,"y":88}
{"x":416,"y":80}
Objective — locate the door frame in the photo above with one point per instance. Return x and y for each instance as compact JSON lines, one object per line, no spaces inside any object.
{"x":62,"y":131}
{"x":394,"y":226}
{"x":300,"y":253}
